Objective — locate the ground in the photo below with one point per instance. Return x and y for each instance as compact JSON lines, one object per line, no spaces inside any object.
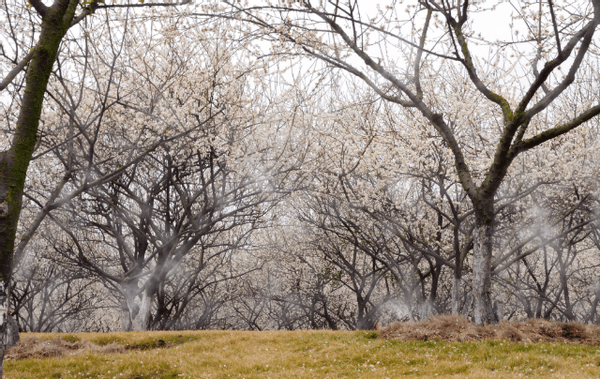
{"x":443,"y":347}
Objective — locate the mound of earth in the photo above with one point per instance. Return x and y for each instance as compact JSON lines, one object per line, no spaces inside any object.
{"x":458,"y":329}
{"x":33,"y":347}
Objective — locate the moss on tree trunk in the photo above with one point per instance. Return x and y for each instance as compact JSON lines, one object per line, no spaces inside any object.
{"x":15,"y":161}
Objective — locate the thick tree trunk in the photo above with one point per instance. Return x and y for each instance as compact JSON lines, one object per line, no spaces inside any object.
{"x":330,"y":321}
{"x":435,"y":282}
{"x":129,"y":308}
{"x":134,"y":316}
{"x":482,"y":269}
{"x":425,"y":309}
{"x":458,"y":271}
{"x":409,"y":306}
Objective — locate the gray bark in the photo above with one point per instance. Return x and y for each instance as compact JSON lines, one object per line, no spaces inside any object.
{"x":12,"y":332}
{"x":468,"y":305}
{"x":134,"y":316}
{"x":498,"y":310}
{"x":126,"y":316}
{"x":456,"y":284}
{"x":141,"y":322}
{"x":425,"y":309}
{"x":482,"y":274}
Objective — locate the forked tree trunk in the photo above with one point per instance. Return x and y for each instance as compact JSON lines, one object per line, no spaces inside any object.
{"x":482,"y":269}
{"x":134,"y":316}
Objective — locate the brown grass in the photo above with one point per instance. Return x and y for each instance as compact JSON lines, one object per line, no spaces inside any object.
{"x":32,"y":347}
{"x":457,"y":329}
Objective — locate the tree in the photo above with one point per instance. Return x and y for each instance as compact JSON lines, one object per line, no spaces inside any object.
{"x":168,"y":218}
{"x":50,"y":25}
{"x":14,"y":160}
{"x":437,"y":40}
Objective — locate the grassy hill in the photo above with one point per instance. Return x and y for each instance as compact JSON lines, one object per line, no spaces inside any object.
{"x":289,"y":354}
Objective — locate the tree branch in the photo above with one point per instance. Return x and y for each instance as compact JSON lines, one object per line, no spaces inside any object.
{"x":554,"y":132}
{"x":436,"y":119}
{"x":39,"y":7}
{"x":471,"y":70}
{"x":586,"y":32}
{"x":555,"y":27}
{"x":16,"y":70}
{"x":419,"y":54}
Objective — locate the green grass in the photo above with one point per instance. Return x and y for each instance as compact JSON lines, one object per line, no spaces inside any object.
{"x":307,"y":354}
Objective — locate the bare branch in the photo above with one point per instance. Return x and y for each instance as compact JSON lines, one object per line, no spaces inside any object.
{"x":555,"y":27}
{"x":419,"y":54}
{"x":16,"y":70}
{"x":534,"y":64}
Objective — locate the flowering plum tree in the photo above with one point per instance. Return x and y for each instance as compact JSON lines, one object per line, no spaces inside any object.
{"x":32,"y":34}
{"x":515,"y":105}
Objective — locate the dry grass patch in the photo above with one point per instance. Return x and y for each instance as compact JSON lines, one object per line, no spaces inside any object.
{"x":457,"y":329}
{"x":32,"y":347}
{"x":40,"y":346}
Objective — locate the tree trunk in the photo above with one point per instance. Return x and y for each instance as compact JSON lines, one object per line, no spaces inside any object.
{"x":134,"y":316}
{"x":366,"y":319}
{"x":129,"y":308}
{"x":126,"y":318}
{"x":143,"y":318}
{"x":596,"y":292}
{"x":408,"y":303}
{"x":12,"y":332}
{"x":4,"y":322}
{"x":466,"y":309}
{"x":482,"y":269}
{"x":15,"y":161}
{"x":435,"y":282}
{"x":456,"y":284}
{"x":425,"y":309}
